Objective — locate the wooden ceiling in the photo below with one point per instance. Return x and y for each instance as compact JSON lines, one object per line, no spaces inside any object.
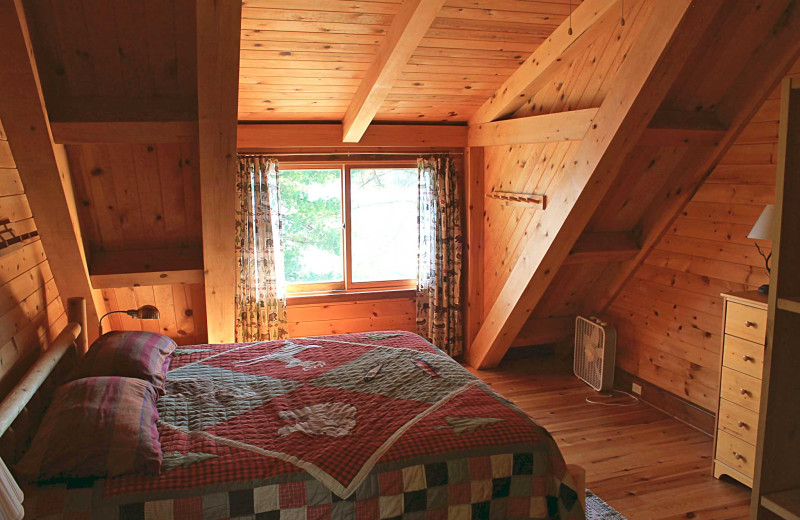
{"x":304,"y":62}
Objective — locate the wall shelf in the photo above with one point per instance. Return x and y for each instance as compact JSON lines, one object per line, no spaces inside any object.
{"x":785,"y":504}
{"x":789,"y":304}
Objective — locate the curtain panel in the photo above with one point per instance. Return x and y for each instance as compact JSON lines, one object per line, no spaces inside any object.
{"x":439,"y":315}
{"x":261,"y":293}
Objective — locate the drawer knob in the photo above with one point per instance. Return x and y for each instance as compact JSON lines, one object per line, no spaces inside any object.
{"x":748,"y":323}
{"x":742,"y":424}
{"x":746,"y":358}
{"x":737,"y":456}
{"x":743,"y":391}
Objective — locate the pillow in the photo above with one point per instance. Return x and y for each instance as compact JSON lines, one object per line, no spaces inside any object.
{"x":139,"y":354}
{"x":96,"y":427}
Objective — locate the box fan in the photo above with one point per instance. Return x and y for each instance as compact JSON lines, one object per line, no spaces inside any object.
{"x":595,"y":348}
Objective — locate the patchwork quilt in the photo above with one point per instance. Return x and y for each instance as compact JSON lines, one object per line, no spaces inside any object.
{"x":366,"y":426}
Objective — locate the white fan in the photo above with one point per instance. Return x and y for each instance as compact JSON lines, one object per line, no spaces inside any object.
{"x":595,"y":349}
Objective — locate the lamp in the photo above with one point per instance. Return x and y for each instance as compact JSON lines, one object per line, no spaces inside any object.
{"x":762,"y":230}
{"x":145,"y":312}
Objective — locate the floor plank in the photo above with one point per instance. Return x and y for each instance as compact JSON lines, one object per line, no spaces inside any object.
{"x":644,"y":463}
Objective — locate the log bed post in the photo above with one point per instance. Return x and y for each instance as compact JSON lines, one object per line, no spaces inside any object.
{"x":76,"y":313}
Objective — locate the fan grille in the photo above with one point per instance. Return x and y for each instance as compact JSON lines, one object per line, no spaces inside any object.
{"x":590,"y":340}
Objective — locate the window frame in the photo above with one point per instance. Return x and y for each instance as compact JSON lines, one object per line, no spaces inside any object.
{"x":347,"y":285}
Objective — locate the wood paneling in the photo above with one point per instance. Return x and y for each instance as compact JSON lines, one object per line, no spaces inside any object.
{"x":358,"y":314}
{"x":670,"y":312}
{"x":182,"y":306}
{"x":305,"y":61}
{"x":31,"y":311}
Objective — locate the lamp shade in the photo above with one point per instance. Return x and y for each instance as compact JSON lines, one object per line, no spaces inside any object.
{"x":148,"y":312}
{"x":10,"y":495}
{"x":762,"y":230}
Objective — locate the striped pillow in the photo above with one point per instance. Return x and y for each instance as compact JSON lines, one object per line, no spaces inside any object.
{"x":96,"y":427}
{"x":140,"y":354}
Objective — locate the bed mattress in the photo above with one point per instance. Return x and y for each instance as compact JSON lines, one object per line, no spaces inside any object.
{"x":367,"y":426}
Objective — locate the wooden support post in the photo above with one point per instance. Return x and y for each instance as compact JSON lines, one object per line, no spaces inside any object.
{"x":41,"y":164}
{"x":407,"y":29}
{"x":76,"y":313}
{"x":647,"y":74}
{"x":218,"y":32}
{"x":474,"y":163}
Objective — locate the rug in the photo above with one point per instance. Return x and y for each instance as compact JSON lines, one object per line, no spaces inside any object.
{"x":597,"y":509}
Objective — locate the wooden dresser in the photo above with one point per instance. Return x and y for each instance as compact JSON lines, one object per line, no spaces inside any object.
{"x":744,"y":329}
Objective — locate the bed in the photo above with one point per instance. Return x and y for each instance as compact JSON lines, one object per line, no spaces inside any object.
{"x":367,"y":426}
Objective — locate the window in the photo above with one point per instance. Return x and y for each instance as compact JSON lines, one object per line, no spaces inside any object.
{"x":349,"y":226}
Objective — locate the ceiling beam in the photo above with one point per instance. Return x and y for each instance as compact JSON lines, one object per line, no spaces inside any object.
{"x":537,"y":69}
{"x":763,"y":71}
{"x":112,"y":269}
{"x":320,"y":135}
{"x":41,"y":164}
{"x":645,"y":77}
{"x":218,"y":33}
{"x":408,"y":27}
{"x":142,"y":132}
{"x":545,"y":128}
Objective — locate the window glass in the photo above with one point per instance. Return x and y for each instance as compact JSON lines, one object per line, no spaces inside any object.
{"x":383,"y":214}
{"x":311,"y":215}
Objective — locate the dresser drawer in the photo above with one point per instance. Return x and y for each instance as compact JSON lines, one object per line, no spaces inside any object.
{"x":740,"y":389}
{"x":736,"y":453}
{"x":738,"y":421}
{"x":743,"y":356}
{"x":746,"y":322}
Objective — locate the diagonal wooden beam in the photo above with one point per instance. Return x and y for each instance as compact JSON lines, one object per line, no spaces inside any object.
{"x":560,"y":126}
{"x":763,"y":71}
{"x":41,"y":164}
{"x":652,"y":65}
{"x":407,"y":29}
{"x":536,"y":70}
{"x":218,"y":33}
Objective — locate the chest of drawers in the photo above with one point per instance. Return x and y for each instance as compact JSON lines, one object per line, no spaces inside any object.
{"x":741,"y":366}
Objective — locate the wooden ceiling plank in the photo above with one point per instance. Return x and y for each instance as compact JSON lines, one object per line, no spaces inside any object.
{"x":218,"y":33}
{"x":321,"y":135}
{"x":406,"y":32}
{"x":771,"y":61}
{"x":80,"y":132}
{"x":561,"y":126}
{"x":644,"y":79}
{"x":533,"y":73}
{"x":41,"y":164}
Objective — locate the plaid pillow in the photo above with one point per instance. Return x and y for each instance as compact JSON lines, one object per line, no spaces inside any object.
{"x":144,"y":355}
{"x":96,"y":427}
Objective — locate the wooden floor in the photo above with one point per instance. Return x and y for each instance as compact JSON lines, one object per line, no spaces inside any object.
{"x":644,"y":463}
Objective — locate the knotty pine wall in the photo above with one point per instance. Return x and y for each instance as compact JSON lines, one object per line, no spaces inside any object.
{"x":361,"y":313}
{"x":31,"y":311}
{"x":669,"y":316}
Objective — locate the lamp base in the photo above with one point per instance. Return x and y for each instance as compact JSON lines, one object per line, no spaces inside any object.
{"x":764,"y":289}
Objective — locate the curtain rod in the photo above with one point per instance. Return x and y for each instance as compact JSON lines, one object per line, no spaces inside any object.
{"x":329,"y":154}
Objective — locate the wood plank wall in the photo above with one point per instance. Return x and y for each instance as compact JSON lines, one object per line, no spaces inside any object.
{"x":143,"y":196}
{"x":582,"y":82}
{"x":31,"y":311}
{"x":362,"y":313}
{"x":669,"y":316}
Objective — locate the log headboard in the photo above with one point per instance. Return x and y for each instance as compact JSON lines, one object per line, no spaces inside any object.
{"x":22,"y":409}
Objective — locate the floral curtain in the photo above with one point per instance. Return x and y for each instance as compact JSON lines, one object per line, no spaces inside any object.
{"x":439,"y":318}
{"x":261,"y":292}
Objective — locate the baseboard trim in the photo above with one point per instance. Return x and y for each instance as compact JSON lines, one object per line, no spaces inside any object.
{"x":668,"y":402}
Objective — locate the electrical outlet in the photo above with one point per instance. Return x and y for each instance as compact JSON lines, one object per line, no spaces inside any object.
{"x":637,"y":388}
